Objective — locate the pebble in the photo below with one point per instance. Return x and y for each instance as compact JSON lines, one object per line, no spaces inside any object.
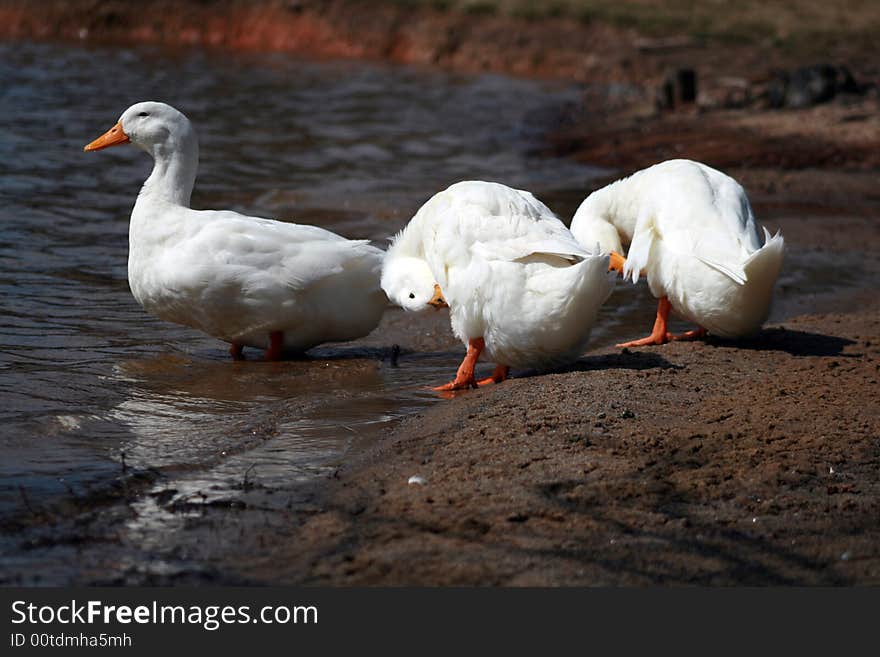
{"x":416,"y":480}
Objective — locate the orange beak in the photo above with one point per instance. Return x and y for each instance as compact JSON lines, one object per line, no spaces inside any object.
{"x":437,"y":300}
{"x":616,"y":262}
{"x":114,"y":136}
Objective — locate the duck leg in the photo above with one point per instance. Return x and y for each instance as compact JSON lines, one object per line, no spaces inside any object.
{"x":464,"y":378}
{"x":236,"y":351}
{"x":659,"y":335}
{"x":616,"y":263}
{"x":276,"y":345}
{"x":499,"y":375}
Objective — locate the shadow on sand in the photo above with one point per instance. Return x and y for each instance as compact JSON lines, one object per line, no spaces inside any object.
{"x":796,"y":343}
{"x":623,"y":360}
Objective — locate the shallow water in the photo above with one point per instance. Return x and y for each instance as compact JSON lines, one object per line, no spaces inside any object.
{"x":88,"y":378}
{"x":92,"y":385}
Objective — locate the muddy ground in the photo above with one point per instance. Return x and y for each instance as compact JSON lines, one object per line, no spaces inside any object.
{"x":755,"y":462}
{"x":709,"y":463}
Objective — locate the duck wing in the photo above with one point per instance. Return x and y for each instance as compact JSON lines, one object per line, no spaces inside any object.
{"x":495,"y":222}
{"x":263,"y":255}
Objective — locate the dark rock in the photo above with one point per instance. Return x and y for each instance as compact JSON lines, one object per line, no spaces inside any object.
{"x":678,"y":89}
{"x":811,"y":85}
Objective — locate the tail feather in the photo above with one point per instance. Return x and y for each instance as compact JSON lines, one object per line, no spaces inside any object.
{"x":736,"y":273}
{"x":767,"y":259}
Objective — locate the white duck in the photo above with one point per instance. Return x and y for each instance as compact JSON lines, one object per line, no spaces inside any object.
{"x":520,"y":289}
{"x":249,"y":281}
{"x":691,"y":230}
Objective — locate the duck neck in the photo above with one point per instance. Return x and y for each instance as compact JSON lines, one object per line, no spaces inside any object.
{"x":618,"y":204}
{"x":605,"y":202}
{"x":174,"y":171}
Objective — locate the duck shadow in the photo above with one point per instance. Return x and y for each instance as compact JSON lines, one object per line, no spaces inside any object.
{"x":793,"y":342}
{"x":623,"y":360}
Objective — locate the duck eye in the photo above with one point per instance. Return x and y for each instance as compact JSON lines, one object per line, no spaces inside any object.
{"x":412,"y":295}
{"x":143,"y":113}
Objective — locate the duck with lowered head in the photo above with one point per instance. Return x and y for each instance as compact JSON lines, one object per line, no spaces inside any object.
{"x":690,"y":229}
{"x":520,"y":289}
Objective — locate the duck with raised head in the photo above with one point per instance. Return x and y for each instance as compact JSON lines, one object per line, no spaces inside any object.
{"x":249,"y":281}
{"x":521,"y":291}
{"x":691,"y":231}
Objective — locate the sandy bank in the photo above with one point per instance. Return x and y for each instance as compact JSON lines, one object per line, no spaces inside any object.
{"x":702,"y":463}
{"x":706,"y":463}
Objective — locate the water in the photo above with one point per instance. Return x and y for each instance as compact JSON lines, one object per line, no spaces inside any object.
{"x":93,"y":387}
{"x":88,"y":379}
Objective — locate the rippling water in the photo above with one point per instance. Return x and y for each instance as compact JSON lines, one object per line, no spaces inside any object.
{"x":89,"y":379}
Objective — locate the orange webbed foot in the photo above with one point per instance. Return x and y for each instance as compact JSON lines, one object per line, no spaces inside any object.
{"x":499,"y":375}
{"x":659,"y":334}
{"x":464,"y":378}
{"x":459,"y":383}
{"x":644,"y":342}
{"x":696,"y":334}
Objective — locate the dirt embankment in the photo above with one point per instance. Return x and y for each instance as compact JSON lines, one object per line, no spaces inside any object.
{"x":399,"y":32}
{"x":620,"y":43}
{"x":753,"y":462}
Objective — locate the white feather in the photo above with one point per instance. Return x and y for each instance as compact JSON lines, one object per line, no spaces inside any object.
{"x":233,"y":276}
{"x":510,"y":271}
{"x":692,"y":232}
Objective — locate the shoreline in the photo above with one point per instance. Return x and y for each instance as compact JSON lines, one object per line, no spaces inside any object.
{"x":626,"y":44}
{"x":704,"y":463}
{"x":383,"y":31}
{"x":624,"y":68}
{"x":567,"y":479}
{"x":708,"y":463}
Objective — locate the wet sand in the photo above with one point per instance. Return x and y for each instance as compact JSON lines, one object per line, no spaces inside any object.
{"x":698,"y":463}
{"x":692,"y":463}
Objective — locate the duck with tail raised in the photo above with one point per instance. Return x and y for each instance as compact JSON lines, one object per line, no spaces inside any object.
{"x":691,"y":231}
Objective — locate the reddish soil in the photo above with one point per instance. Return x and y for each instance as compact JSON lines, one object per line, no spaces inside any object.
{"x":338,"y":28}
{"x":559,"y":47}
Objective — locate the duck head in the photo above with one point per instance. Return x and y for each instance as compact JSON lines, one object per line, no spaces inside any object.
{"x":409,"y":283}
{"x":168,"y":136}
{"x":155,"y":127}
